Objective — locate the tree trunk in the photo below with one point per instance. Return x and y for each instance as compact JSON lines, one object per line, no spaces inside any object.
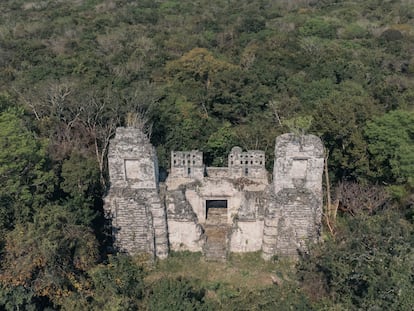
{"x":330,"y":209}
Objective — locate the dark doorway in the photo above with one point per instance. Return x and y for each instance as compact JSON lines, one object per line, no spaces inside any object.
{"x":216,"y":204}
{"x":216,"y":211}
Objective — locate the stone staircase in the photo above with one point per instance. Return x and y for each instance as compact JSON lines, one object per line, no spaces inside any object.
{"x":216,"y":231}
{"x":159,"y":225}
{"x":215,"y":248}
{"x":216,"y":216}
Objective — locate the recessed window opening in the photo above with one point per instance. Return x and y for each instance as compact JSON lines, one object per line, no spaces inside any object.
{"x":189,"y":171}
{"x":246,"y":171}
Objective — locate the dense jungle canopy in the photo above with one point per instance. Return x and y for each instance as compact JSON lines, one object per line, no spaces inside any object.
{"x":205,"y":75}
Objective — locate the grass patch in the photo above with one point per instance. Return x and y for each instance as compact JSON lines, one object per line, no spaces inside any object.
{"x":247,"y":270}
{"x":241,"y":282}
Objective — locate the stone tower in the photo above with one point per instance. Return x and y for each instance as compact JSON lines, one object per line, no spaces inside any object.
{"x":294,"y":210}
{"x":133,"y":203}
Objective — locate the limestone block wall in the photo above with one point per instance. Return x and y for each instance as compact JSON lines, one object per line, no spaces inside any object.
{"x":185,"y":233}
{"x":292,"y":221}
{"x":197,"y":203}
{"x":247,"y":230}
{"x":132,"y":160}
{"x":246,"y":236}
{"x":133,"y":205}
{"x":185,"y":236}
{"x":138,"y":221}
{"x":217,"y":189}
{"x":159,"y":225}
{"x":298,"y":163}
{"x":251,"y":206}
{"x":217,"y":172}
{"x":241,"y":202}
{"x":294,"y":210}
{"x":131,"y":222}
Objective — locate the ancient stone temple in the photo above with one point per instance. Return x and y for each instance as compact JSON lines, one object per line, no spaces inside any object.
{"x":215,"y":210}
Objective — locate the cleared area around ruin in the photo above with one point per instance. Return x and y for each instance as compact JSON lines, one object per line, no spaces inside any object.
{"x":238,"y":275}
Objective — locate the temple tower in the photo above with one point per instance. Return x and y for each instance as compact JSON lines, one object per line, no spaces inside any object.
{"x":294,"y":210}
{"x":133,"y":203}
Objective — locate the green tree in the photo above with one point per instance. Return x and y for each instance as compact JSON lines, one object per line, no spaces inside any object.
{"x":48,"y":255}
{"x":299,"y":125}
{"x":368,"y":266}
{"x":391,"y":147}
{"x":320,"y":27}
{"x":194,"y":74}
{"x":219,"y":145}
{"x":81,"y":181}
{"x":117,"y":284}
{"x":12,"y":298}
{"x":181,"y":125}
{"x":339,"y":119}
{"x":25,"y":179}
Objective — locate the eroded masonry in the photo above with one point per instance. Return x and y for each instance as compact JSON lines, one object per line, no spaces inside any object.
{"x":215,"y":210}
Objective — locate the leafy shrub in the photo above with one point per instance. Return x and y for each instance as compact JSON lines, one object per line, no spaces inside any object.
{"x":117,"y":285}
{"x":354,"y":31}
{"x":391,"y":35}
{"x":177,"y":295}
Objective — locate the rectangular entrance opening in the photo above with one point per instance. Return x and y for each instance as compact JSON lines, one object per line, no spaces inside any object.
{"x":216,"y":209}
{"x":216,"y":204}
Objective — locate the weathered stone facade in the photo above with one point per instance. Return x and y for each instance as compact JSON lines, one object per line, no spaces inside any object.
{"x":215,"y":210}
{"x":133,"y":203}
{"x":294,"y":211}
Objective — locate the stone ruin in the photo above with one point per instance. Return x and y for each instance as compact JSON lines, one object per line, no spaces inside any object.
{"x":215,"y":210}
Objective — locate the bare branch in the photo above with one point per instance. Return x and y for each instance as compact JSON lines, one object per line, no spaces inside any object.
{"x":274,"y":105}
{"x":354,"y":198}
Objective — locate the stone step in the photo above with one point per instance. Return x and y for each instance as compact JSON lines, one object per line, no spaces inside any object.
{"x":216,"y":216}
{"x":214,"y":253}
{"x":216,"y":246}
